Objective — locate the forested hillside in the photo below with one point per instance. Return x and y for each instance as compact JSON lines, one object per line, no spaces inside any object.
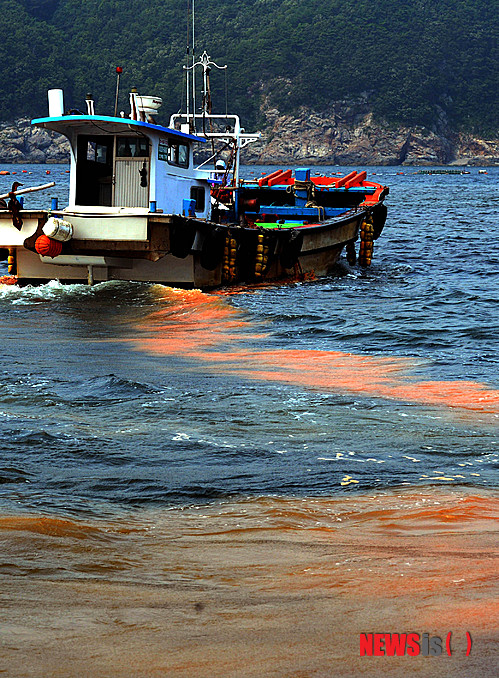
{"x":417,"y":62}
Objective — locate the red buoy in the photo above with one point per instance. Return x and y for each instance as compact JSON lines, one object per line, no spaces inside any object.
{"x":48,"y":247}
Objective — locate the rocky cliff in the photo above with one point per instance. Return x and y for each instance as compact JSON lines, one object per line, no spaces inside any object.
{"x":20,"y":142}
{"x":345,"y":134}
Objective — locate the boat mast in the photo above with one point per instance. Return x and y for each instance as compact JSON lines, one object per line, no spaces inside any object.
{"x":190,"y":70}
{"x":193,"y":75}
{"x":235,"y":136}
{"x":186,"y":68}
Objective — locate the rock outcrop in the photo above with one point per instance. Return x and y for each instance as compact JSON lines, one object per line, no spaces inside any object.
{"x":22,"y":143}
{"x":345,"y":134}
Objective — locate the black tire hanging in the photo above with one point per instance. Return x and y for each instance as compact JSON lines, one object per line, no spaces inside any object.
{"x":379,"y":214}
{"x":291,"y":249}
{"x":248,"y":240}
{"x":212,"y":251}
{"x":182,"y":238}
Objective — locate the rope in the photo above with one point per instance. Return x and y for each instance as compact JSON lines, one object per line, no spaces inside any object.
{"x":321,"y":214}
{"x":309,"y":187}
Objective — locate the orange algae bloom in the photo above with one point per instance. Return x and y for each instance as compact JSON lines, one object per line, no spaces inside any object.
{"x":204,"y":327}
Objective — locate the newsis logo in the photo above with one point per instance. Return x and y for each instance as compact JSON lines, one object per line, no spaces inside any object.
{"x":410,"y":644}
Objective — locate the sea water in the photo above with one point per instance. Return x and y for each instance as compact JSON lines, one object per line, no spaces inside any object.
{"x":240,"y":483}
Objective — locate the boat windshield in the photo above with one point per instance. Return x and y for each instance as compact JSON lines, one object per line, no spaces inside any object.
{"x":132,"y":147}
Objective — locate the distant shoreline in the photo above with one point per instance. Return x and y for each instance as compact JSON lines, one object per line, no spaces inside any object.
{"x":300,"y":140}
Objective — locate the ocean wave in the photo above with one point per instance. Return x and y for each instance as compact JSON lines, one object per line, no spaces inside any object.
{"x":56,"y":291}
{"x":55,"y":391}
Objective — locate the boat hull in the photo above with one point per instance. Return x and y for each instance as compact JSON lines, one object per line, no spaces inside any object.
{"x":171,"y":249}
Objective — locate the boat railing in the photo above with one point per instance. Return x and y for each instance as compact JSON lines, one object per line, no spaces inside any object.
{"x":224,"y":127}
{"x":217,"y":177}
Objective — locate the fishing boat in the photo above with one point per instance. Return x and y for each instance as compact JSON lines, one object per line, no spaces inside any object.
{"x":142,"y":208}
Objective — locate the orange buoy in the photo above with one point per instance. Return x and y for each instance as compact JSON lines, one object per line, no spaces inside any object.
{"x":4,"y":172}
{"x":48,"y":247}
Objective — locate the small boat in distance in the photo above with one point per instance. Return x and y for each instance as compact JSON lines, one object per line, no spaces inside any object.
{"x":141,"y":209}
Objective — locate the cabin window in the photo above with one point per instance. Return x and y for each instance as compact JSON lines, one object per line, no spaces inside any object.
{"x":97,"y":152}
{"x":181,"y":155}
{"x":174,"y":153}
{"x":132,"y":147}
{"x":198,"y":194}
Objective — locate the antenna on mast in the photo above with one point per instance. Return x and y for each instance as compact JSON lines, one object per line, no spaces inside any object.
{"x":119,"y":71}
{"x":206,"y":62}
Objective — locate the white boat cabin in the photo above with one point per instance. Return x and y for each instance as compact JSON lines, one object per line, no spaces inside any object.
{"x":119,"y":162}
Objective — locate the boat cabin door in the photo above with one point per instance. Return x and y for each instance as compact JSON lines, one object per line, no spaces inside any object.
{"x":131,"y":172}
{"x":94,"y":170}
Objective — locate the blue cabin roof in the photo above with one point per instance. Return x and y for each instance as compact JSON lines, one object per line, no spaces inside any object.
{"x":109,"y":125}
